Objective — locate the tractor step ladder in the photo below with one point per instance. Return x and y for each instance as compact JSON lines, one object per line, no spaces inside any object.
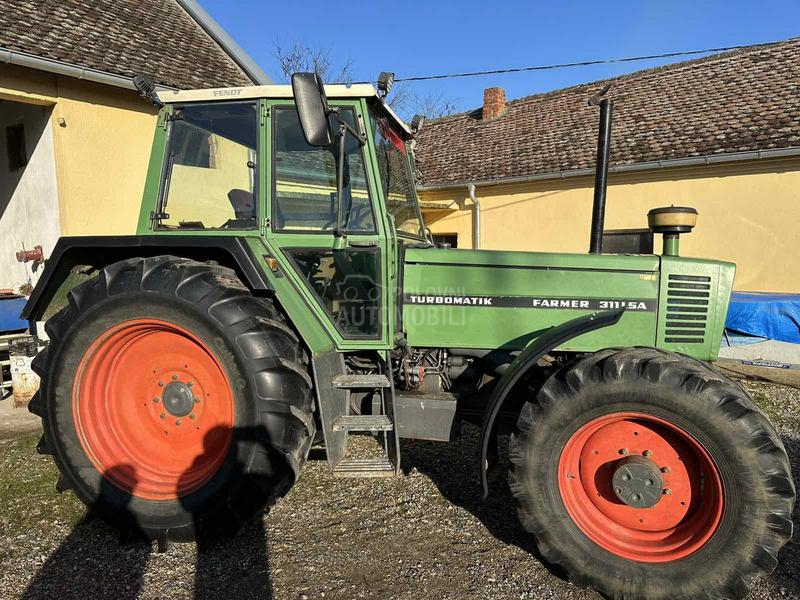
{"x":364,"y":467}
{"x":382,"y":424}
{"x":363,"y":423}
{"x":366,"y":382}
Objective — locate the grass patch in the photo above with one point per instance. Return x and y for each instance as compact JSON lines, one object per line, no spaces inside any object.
{"x":771,"y":406}
{"x":28,"y":498}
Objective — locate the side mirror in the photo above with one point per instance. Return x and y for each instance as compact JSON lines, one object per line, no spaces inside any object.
{"x":312,"y":108}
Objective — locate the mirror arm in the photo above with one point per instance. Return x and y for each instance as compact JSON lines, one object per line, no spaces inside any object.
{"x":337,"y":231}
{"x":361,"y":138}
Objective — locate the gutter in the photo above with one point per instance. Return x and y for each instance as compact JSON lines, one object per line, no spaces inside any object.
{"x":58,"y":67}
{"x":226,"y":42}
{"x":710,"y":159}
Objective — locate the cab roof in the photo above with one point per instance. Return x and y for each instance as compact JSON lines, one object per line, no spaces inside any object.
{"x":333,"y":92}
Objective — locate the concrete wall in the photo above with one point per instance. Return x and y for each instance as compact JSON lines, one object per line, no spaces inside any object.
{"x":29,"y":210}
{"x":749,"y":214}
{"x":101,"y":139}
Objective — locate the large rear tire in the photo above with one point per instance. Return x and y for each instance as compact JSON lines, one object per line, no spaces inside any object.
{"x":646,"y":474}
{"x":173,"y":401}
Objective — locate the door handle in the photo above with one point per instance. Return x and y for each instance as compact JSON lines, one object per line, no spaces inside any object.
{"x":362,"y":243}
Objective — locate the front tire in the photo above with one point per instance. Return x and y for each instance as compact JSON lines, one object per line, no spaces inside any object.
{"x":645,"y":474}
{"x":173,"y":401}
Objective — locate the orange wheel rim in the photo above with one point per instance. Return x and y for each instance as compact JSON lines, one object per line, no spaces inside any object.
{"x":151,"y":396}
{"x":640,"y":487}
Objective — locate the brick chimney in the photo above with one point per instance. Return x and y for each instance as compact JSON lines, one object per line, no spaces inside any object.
{"x":494,"y":102}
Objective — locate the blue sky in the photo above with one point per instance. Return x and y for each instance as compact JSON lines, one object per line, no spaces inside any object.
{"x":421,"y":38}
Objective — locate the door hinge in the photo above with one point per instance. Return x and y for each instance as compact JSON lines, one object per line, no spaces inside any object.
{"x":264,"y":114}
{"x":265,"y":226}
{"x":156,"y":217}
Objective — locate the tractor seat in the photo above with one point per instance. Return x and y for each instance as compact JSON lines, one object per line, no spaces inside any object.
{"x":244,"y":209}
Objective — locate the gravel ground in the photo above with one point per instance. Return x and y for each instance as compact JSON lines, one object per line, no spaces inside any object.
{"x":424,"y":535}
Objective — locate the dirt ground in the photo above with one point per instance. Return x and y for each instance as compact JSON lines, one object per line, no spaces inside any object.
{"x":423,"y":535}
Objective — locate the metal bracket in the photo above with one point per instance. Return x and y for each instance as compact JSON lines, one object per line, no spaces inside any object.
{"x":158,"y":216}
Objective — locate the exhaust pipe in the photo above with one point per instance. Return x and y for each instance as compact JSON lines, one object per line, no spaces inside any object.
{"x":601,"y":170}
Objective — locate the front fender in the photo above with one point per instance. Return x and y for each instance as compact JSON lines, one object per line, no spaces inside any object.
{"x":525,"y":360}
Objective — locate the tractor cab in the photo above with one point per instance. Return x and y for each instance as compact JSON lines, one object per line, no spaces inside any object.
{"x":329,"y":200}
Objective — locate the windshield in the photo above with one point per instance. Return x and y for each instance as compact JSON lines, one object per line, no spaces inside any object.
{"x":396,"y":177}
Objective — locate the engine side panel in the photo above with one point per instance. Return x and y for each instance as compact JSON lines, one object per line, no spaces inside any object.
{"x":495,"y":299}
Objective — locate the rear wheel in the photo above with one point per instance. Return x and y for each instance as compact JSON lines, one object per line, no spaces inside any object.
{"x":173,"y":401}
{"x":645,"y":474}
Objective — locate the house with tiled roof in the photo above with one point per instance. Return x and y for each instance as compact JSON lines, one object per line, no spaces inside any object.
{"x":74,"y":134}
{"x":721,"y":134}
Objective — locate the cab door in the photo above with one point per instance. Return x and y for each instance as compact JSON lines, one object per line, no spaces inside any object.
{"x":344,"y":285}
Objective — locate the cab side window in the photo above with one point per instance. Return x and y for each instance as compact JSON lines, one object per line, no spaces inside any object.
{"x":211,"y":175}
{"x":304,"y":193}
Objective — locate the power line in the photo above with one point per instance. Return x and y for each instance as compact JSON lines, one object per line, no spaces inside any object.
{"x":587,"y":63}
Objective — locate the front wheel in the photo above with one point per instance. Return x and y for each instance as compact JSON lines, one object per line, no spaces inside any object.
{"x":645,"y":474}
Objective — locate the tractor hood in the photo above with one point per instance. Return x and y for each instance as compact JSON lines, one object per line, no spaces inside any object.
{"x":497,"y":299}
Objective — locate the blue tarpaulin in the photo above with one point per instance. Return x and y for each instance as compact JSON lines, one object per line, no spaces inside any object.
{"x":10,"y":308}
{"x":773,"y":316}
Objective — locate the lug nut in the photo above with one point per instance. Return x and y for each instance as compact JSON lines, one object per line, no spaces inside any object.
{"x":156,"y":400}
{"x":160,"y":384}
{"x":623,"y":450}
{"x":196,"y":400}
{"x":667,"y":491}
{"x":192,"y":416}
{"x":163,"y":415}
{"x":174,"y":378}
{"x":178,"y":422}
{"x":646,"y":453}
{"x":190,"y":383}
{"x":665,"y":469}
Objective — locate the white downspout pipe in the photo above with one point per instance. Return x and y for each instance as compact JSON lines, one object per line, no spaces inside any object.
{"x":476,"y":217}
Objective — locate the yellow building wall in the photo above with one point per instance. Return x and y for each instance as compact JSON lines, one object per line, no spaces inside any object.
{"x":195,"y":192}
{"x":101,"y":136}
{"x":749,"y":214}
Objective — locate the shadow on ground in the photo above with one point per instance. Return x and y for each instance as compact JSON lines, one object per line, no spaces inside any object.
{"x":233,"y":568}
{"x":95,"y":561}
{"x":114,"y":570}
{"x":453,"y":468}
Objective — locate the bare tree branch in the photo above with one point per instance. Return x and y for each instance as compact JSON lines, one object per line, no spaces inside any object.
{"x":434,"y":105}
{"x":302,"y":58}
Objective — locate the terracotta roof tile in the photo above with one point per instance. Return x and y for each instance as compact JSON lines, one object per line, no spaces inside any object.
{"x":738,"y":101}
{"x":124,"y":37}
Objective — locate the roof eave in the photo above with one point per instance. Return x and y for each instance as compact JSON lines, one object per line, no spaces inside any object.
{"x":59,"y":67}
{"x":691,"y":161}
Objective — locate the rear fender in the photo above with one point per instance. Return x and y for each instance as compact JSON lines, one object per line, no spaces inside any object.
{"x":526,"y":360}
{"x":101,"y":251}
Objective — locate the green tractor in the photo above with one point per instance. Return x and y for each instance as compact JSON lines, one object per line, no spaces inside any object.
{"x":281,"y":291}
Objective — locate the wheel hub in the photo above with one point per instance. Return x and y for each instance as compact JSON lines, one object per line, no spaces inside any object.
{"x":178,"y":399}
{"x":637,"y":482}
{"x":152,"y":397}
{"x":603,"y":476}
